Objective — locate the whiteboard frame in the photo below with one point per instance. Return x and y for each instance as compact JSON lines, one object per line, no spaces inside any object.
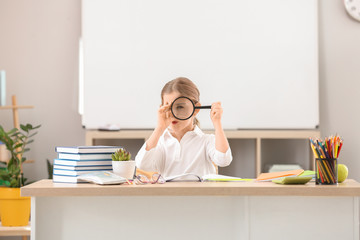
{"x":254,"y":107}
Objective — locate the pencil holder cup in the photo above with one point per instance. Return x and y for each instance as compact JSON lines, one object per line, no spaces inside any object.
{"x":326,"y":171}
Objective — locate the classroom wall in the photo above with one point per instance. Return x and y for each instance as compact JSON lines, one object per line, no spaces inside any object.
{"x":339,"y":52}
{"x":39,"y":51}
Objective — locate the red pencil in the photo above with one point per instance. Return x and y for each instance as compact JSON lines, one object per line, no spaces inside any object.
{"x":319,"y":172}
{"x":341,"y":143}
{"x":328,"y":143}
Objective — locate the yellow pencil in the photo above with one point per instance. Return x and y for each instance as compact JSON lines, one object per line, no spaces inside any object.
{"x":323,"y":172}
{"x":315,"y":152}
{"x":329,"y":172}
{"x":336,"y":146}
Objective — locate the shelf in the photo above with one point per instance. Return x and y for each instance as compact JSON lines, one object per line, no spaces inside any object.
{"x":15,"y":107}
{"x":15,"y":231}
{"x":230,"y":134}
{"x":26,"y":161}
{"x":257,"y":135}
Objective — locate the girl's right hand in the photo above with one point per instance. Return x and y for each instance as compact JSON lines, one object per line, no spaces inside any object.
{"x":164,"y":116}
{"x":164,"y":121}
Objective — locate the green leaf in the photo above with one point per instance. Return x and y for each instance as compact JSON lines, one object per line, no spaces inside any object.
{"x":18,"y":145}
{"x":16,"y":141}
{"x":14,"y":135}
{"x":12,"y":131}
{"x":11,"y":162}
{"x":14,"y":183}
{"x":36,"y":127}
{"x":24,"y":128}
{"x":22,"y":138}
{"x":50,"y":168}
{"x":7,"y":183}
{"x":33,"y":134}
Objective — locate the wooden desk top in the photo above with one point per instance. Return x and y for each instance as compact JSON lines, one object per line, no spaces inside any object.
{"x":44,"y":188}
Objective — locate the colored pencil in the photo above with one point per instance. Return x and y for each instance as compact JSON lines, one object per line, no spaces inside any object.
{"x":326,"y":153}
{"x":328,"y":148}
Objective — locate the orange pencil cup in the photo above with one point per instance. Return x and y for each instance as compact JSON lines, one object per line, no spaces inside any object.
{"x":326,"y":171}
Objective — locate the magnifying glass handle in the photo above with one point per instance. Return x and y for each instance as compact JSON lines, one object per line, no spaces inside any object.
{"x":203,"y":107}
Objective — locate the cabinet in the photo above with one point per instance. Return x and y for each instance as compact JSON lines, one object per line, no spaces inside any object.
{"x":257,"y":135}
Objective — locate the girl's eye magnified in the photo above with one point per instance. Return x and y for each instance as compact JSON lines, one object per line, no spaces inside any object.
{"x":183,"y":108}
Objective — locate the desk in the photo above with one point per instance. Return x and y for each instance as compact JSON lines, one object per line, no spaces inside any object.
{"x":194,"y":210}
{"x":257,"y":135}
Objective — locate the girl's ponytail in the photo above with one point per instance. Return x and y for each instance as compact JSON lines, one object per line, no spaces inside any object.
{"x":196,"y":122}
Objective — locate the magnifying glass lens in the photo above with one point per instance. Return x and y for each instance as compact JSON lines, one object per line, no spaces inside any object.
{"x":182,"y":108}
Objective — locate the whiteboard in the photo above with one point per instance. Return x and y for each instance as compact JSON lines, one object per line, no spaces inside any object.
{"x":258,"y":58}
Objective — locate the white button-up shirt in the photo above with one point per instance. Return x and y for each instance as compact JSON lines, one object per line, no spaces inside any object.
{"x":195,"y":153}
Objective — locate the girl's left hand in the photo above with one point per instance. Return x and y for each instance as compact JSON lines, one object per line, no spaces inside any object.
{"x":216,"y":113}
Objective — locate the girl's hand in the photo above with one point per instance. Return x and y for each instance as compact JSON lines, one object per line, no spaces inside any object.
{"x":163,"y":122}
{"x":164,"y":116}
{"x":216,"y":114}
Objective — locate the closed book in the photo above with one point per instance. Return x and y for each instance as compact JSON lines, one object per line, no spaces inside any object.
{"x":65,"y":172}
{"x":87,"y":149}
{"x":68,"y":162}
{"x":85,"y":156}
{"x":103,"y":177}
{"x":66,"y":179}
{"x":275,"y":175}
{"x":77,"y":168}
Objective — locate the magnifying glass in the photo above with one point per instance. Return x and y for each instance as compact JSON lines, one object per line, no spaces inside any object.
{"x":183,"y":108}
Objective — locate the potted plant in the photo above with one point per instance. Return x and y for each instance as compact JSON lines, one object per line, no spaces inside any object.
{"x":15,"y":210}
{"x":122,"y":164}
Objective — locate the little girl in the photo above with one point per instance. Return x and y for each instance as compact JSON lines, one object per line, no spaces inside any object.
{"x":179,"y":146}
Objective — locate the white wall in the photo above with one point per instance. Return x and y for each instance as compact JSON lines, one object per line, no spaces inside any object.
{"x":339,"y":48}
{"x":38,"y":49}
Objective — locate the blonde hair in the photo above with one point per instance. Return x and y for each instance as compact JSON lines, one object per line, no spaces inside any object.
{"x":186,"y":88}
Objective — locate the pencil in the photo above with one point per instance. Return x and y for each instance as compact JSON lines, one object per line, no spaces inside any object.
{"x":315,"y":152}
{"x":336,"y":146}
{"x":319,"y":171}
{"x":329,"y":171}
{"x":320,"y":149}
{"x":341,"y":143}
{"x":322,"y":171}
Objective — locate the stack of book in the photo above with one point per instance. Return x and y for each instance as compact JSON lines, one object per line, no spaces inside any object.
{"x":74,"y":161}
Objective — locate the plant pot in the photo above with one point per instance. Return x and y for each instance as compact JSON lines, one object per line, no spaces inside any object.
{"x":15,"y":210}
{"x":124,"y":169}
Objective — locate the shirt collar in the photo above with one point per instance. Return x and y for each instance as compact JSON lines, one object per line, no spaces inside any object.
{"x":196,"y":131}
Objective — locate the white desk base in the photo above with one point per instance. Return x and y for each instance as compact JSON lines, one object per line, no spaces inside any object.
{"x":195,"y":217}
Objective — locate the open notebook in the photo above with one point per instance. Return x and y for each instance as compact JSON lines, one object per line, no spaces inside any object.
{"x":210,"y":177}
